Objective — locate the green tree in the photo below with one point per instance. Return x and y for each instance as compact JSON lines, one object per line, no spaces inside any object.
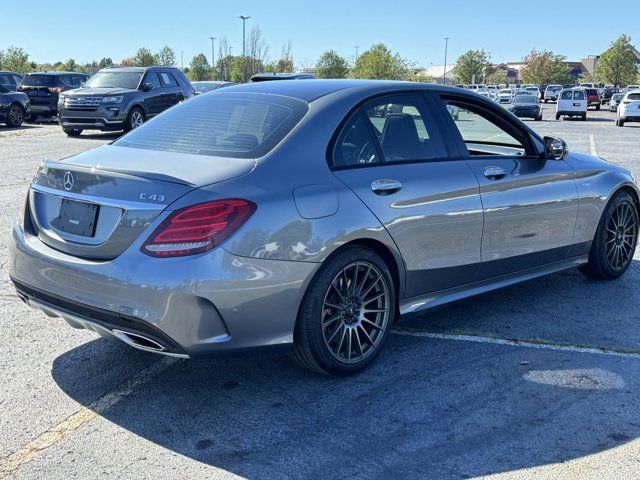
{"x":617,"y":65}
{"x":15,"y":59}
{"x":472,"y":67}
{"x":497,"y":78}
{"x":237,"y":69}
{"x":166,"y":56}
{"x":224,"y":67}
{"x":105,"y":62}
{"x":199,"y":68}
{"x":421,"y":76}
{"x":332,"y":65}
{"x":144,"y":58}
{"x":68,"y":66}
{"x":380,"y":63}
{"x":542,"y":67}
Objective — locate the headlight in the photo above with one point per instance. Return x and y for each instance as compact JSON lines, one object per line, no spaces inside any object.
{"x":117,"y":99}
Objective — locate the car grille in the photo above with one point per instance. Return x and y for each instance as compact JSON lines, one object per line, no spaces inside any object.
{"x":82,"y":103}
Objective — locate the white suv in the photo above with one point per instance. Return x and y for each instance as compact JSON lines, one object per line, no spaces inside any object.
{"x":629,"y":108}
{"x":551,"y":93}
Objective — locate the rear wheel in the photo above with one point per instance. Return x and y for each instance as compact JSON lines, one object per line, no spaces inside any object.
{"x":557,"y":116}
{"x":619,"y":122}
{"x":72,"y":132}
{"x":598,"y":107}
{"x":15,"y":116}
{"x":615,"y":240}
{"x":135,"y":119}
{"x":346,"y":314}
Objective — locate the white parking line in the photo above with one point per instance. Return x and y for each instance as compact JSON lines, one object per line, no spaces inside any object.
{"x":592,"y":145}
{"x":520,"y":343}
{"x":52,"y":436}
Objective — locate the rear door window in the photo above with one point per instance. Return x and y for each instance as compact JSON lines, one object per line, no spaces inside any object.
{"x":355,"y":145}
{"x":167,"y":80}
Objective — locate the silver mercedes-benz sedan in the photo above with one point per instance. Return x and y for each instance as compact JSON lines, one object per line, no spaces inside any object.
{"x":311,"y":216}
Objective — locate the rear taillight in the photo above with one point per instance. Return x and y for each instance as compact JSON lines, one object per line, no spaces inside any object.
{"x":56,"y":89}
{"x":198,"y":228}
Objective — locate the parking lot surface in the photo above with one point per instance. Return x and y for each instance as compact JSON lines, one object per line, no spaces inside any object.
{"x":539,"y":380}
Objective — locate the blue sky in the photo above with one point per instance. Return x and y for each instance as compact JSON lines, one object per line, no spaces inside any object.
{"x":508,"y":29}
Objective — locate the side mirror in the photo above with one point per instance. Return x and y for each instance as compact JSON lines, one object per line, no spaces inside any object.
{"x":555,"y":148}
{"x":147,"y":87}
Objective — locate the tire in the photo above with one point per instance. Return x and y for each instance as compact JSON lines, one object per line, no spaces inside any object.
{"x":15,"y":115}
{"x":603,"y":263}
{"x":135,"y":118}
{"x":345,"y":281}
{"x":598,"y":107}
{"x":557,"y":116}
{"x":72,"y":132}
{"x":584,"y":117}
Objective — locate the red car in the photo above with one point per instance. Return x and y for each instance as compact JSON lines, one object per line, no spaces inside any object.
{"x":593,"y":98}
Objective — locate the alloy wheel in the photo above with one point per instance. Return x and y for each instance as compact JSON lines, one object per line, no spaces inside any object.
{"x":621,"y":236}
{"x":136,"y":119}
{"x":15,"y":115}
{"x":355,"y":312}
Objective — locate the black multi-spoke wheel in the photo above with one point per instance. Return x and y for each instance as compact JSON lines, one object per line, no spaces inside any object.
{"x":346,"y":313}
{"x":15,"y":116}
{"x":615,"y":240}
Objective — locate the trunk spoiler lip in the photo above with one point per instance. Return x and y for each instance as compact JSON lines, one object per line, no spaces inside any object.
{"x":66,"y":165}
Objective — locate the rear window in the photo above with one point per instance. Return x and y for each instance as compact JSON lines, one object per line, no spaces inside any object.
{"x":592,"y":92}
{"x":578,"y":95}
{"x":219,"y":124}
{"x":633,"y":96}
{"x":39,"y":80}
{"x":525,"y":99}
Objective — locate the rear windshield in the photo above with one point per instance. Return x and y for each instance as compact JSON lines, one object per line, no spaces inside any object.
{"x":578,"y":95}
{"x":128,"y":80}
{"x":525,"y":99}
{"x":220,"y":124}
{"x":633,"y":96}
{"x":39,"y":80}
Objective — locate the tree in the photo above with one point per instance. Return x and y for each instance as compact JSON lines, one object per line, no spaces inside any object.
{"x":105,"y":62}
{"x":472,"y":67}
{"x":69,"y":66}
{"x":421,"y":76}
{"x":586,"y":77}
{"x":545,"y":67}
{"x":199,"y":68}
{"x":166,"y":57}
{"x":381,"y":64}
{"x":332,"y":65}
{"x":617,"y":65}
{"x":284,"y":64}
{"x":497,"y":78}
{"x":144,"y":58}
{"x":15,"y":59}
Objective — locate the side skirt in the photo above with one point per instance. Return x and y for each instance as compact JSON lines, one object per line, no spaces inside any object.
{"x":430,"y":300}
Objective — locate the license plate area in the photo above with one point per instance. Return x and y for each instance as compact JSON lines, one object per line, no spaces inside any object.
{"x":77,"y":218}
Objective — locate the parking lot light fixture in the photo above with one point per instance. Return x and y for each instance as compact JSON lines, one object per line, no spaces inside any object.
{"x":244,"y":44}
{"x":444,"y":74}
{"x":213,"y":58}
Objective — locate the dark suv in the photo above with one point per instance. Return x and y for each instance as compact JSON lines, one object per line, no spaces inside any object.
{"x":44,"y":88}
{"x":10,"y":80}
{"x":122,"y":98}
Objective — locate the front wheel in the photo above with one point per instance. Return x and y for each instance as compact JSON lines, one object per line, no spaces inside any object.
{"x":557,"y":116}
{"x":15,"y":116}
{"x":134,"y":120}
{"x":619,"y":122}
{"x":72,"y":132}
{"x":346,"y":314}
{"x":615,"y":240}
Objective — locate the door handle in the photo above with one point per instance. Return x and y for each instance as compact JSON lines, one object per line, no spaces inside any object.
{"x":494,"y":173}
{"x":385,"y":186}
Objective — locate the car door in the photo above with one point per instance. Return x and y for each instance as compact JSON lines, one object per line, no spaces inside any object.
{"x":172,"y":93}
{"x":153,"y":99}
{"x":530,"y":203}
{"x":393,"y":155}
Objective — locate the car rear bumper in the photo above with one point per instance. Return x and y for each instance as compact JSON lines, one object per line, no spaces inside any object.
{"x":199,"y":306}
{"x":569,"y":113}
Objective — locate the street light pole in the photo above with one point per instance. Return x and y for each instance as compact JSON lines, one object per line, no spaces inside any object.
{"x":213,"y":58}
{"x":182,"y":59}
{"x":244,"y":56}
{"x":357,"y":47}
{"x":446,"y":46}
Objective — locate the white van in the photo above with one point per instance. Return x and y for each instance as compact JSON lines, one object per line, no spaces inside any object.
{"x":572,"y":103}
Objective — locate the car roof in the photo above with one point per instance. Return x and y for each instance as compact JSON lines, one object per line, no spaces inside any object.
{"x":134,"y":69}
{"x":56,"y":72}
{"x":310,"y":90}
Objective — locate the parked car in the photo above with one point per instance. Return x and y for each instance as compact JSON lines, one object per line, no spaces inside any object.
{"x":10,"y":80}
{"x":505,"y":95}
{"x":572,"y":103}
{"x":43,"y":90}
{"x":633,"y":87}
{"x":593,"y":98}
{"x":551,"y":93}
{"x":122,"y":98}
{"x":616,"y":99}
{"x":172,"y":242}
{"x":208,"y":86}
{"x":268,"y":76}
{"x":526,"y":106}
{"x":14,"y":107}
{"x":629,"y":108}
{"x":607,"y":94}
{"x":533,"y":91}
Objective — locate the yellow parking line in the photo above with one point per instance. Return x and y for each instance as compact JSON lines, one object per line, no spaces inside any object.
{"x":52,"y":436}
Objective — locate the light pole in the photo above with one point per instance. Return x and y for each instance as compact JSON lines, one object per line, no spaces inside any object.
{"x":244,"y":57}
{"x":357,"y":47}
{"x":213,"y":59}
{"x":446,"y":46}
{"x":182,"y":59}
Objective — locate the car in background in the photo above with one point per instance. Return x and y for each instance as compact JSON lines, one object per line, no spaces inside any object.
{"x":525,"y":106}
{"x":44,"y":89}
{"x":10,"y":80}
{"x":122,"y":98}
{"x":14,"y":107}
{"x":533,"y":91}
{"x":209,"y":86}
{"x":551,"y":93}
{"x":268,"y":76}
{"x":572,"y":103}
{"x":615,"y":100}
{"x":633,"y":87}
{"x":629,"y":108}
{"x":593,"y":98}
{"x":505,"y":95}
{"x":607,"y":93}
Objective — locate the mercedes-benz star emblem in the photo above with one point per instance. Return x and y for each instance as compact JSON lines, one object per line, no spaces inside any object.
{"x":68,"y":181}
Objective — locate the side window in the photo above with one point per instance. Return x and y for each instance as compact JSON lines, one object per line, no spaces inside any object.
{"x":482,"y":133}
{"x":167,"y":80}
{"x":566,"y":95}
{"x":152,"y":78}
{"x":405,"y":128}
{"x":355,"y":145}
